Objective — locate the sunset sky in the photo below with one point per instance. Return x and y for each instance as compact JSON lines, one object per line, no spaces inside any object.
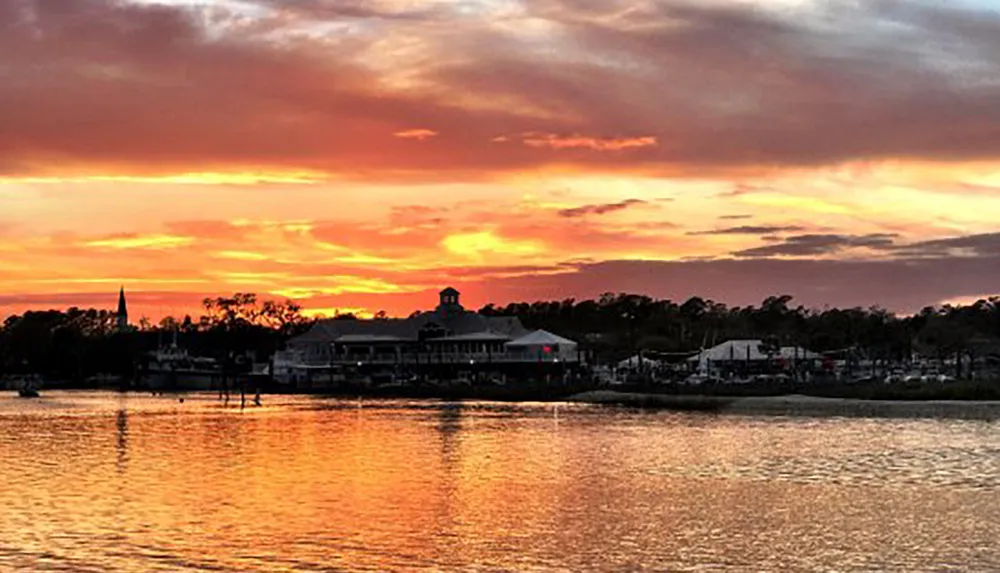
{"x":362,"y":154}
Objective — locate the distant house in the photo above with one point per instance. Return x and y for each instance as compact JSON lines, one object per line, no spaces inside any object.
{"x":447,"y":334}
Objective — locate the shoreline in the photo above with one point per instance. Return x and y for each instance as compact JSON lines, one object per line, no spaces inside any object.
{"x":796,"y":405}
{"x":790,"y":404}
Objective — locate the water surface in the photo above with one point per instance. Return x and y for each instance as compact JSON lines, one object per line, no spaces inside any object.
{"x":107,"y":482}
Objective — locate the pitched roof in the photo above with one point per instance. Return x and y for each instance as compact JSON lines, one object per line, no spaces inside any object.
{"x":473,"y":336}
{"x":540,"y":338}
{"x":747,"y":349}
{"x":369,"y":338}
{"x":461,"y":324}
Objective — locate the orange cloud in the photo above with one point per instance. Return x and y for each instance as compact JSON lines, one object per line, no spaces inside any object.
{"x":242,"y":255}
{"x":187,"y":149}
{"x":479,"y":244}
{"x":339,"y":284}
{"x":418,"y":134}
{"x":335,"y":311}
{"x":141,"y":242}
{"x":580,"y":142}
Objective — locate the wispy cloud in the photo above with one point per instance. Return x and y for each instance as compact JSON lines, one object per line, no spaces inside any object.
{"x":557,"y":142}
{"x":818,"y":245}
{"x":418,"y":134}
{"x":600,"y":209}
{"x":751,"y":230}
{"x":141,"y":242}
{"x":198,"y":147}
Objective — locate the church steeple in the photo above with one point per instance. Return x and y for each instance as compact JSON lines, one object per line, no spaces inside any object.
{"x":122,"y":314}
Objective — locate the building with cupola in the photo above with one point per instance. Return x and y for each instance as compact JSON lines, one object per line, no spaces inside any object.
{"x":447,"y":335}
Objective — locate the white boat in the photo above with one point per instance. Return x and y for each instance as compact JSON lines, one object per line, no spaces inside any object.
{"x":290,"y":368}
{"x":172,"y":368}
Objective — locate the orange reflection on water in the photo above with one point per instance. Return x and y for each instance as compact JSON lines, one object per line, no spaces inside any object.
{"x":98,"y":482}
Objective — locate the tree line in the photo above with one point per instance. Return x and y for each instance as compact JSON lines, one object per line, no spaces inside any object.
{"x":617,"y":325}
{"x":78,"y":343}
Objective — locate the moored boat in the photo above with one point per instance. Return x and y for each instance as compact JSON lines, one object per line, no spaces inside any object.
{"x":27,"y":386}
{"x":172,"y":368}
{"x":28,"y":393}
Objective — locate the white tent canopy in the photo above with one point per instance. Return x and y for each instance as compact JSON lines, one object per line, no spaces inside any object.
{"x":541,"y":338}
{"x":544,"y":345}
{"x":742,"y":350}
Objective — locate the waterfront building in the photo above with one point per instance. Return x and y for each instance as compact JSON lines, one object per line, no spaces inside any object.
{"x":447,"y":335}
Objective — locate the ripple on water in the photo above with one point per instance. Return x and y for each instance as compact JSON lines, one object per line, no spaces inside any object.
{"x":103,"y":482}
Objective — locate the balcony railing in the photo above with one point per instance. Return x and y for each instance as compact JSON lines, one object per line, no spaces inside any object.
{"x":413,"y":358}
{"x":449,"y":358}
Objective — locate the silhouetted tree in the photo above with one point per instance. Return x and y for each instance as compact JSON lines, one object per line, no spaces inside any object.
{"x":78,"y":343}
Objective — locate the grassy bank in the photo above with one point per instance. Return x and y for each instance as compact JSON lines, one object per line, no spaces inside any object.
{"x":971,"y":390}
{"x":798,"y":405}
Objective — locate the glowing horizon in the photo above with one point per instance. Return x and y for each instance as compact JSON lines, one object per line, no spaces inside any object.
{"x":363,"y":156}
